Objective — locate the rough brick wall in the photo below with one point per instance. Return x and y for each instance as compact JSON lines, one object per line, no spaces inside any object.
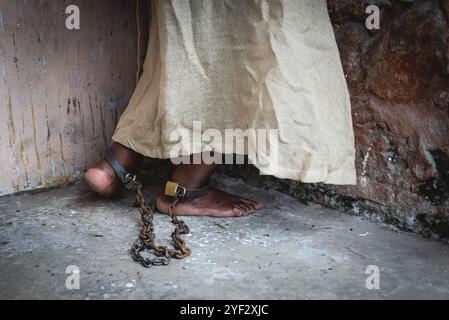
{"x":399,"y":83}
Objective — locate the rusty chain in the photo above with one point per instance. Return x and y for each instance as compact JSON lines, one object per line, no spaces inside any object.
{"x":147,"y":237}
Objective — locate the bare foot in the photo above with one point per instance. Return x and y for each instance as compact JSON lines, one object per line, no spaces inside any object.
{"x":102,"y":178}
{"x":215,"y":203}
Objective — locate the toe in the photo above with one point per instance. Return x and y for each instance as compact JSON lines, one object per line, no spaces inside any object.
{"x":250,"y":207}
{"x":257,"y":205}
{"x":245,"y":207}
{"x":238,"y":211}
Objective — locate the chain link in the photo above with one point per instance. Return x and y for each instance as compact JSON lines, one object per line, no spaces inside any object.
{"x":147,"y":237}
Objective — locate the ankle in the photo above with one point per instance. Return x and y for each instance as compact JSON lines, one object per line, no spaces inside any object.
{"x":193,"y":176}
{"x":127,"y":157}
{"x":191,"y":184}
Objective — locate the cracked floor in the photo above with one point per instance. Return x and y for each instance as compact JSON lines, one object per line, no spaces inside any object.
{"x":286,"y":251}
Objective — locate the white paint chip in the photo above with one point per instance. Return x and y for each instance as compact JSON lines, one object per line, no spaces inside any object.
{"x":363,"y":234}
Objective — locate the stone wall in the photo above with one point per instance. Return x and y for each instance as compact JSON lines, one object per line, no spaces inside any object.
{"x":399,"y":83}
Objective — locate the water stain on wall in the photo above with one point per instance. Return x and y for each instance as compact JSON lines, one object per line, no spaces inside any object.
{"x":61,"y":91}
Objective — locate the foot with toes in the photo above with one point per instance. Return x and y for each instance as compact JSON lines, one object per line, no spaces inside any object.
{"x":215,"y":203}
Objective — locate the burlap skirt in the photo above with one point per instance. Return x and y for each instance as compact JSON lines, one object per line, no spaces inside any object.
{"x":245,"y":64}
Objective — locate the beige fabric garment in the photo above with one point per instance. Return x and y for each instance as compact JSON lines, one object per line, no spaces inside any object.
{"x":246,"y":64}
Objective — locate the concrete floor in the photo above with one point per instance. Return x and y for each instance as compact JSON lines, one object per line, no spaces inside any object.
{"x":287,"y":251}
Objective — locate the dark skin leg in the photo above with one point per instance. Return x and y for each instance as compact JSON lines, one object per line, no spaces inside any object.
{"x":193,"y":175}
{"x":215,"y":203}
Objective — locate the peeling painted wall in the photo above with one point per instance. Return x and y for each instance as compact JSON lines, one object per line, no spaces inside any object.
{"x":61,"y":91}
